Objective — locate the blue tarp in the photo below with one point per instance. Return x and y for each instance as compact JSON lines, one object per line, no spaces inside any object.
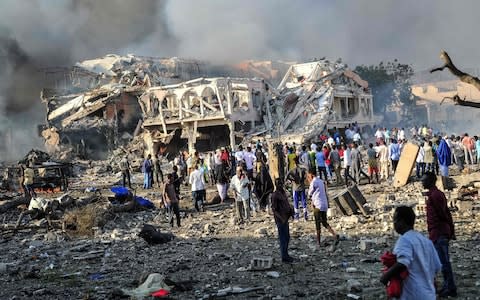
{"x":119,"y":191}
{"x":144,"y":202}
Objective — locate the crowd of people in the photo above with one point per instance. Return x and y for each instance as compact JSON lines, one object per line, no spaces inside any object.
{"x":339,"y":158}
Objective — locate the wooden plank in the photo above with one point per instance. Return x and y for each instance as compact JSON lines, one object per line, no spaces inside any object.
{"x":406,"y":164}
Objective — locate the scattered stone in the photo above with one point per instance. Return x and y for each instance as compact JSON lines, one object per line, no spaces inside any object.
{"x":273,"y":274}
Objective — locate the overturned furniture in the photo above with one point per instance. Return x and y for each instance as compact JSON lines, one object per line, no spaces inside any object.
{"x":350,"y":202}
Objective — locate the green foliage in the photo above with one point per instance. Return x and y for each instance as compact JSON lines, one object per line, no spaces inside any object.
{"x":389,"y":83}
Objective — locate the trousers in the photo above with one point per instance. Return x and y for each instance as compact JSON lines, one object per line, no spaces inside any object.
{"x":297,"y":197}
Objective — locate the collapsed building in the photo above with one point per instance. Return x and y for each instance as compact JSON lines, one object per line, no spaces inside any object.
{"x":317,"y":95}
{"x":93,"y":107}
{"x":101,"y":104}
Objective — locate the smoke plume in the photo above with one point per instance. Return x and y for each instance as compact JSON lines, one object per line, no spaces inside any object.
{"x":43,"y":33}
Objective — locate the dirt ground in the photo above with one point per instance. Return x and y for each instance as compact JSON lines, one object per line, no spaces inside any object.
{"x":211,"y":253}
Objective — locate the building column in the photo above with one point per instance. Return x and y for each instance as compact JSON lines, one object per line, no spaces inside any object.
{"x":231,"y":128}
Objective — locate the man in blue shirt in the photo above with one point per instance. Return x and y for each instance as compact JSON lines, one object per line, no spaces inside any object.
{"x":394,"y":151}
{"x":322,"y":167}
{"x":415,"y":253}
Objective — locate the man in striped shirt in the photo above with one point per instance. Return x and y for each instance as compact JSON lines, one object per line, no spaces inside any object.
{"x":318,"y":193}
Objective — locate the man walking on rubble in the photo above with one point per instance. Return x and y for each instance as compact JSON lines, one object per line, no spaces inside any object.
{"x":147,"y":170}
{"x":336,"y":163}
{"x":249,"y":158}
{"x":171,"y":200}
{"x":241,"y":187}
{"x":372,"y":162}
{"x":297,"y":176}
{"x":356,"y":161}
{"x":383,"y":157}
{"x":414,"y":253}
{"x":157,"y":170}
{"x":282,"y":211}
{"x":28,"y":176}
{"x":319,"y":195}
{"x":197,"y":182}
{"x":394,"y":151}
{"x":125,"y":169}
{"x":440,"y":230}
{"x":222,"y":178}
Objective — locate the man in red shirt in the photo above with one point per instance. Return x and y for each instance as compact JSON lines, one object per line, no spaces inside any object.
{"x":440,"y":230}
{"x":468,"y":146}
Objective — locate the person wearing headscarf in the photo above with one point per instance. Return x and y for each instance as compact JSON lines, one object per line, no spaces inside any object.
{"x":444,"y":157}
{"x":263,"y":187}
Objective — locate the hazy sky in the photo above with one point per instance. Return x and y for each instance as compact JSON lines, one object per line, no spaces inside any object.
{"x":359,"y":31}
{"x":41,"y":33}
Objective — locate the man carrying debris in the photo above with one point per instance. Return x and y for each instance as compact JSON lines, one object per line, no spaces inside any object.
{"x":241,"y":187}
{"x":318,"y":193}
{"x":147,"y":170}
{"x":125,"y":169}
{"x":416,"y":254}
{"x":171,"y":200}
{"x":440,"y":230}
{"x":297,"y":176}
{"x":282,"y":211}
{"x":197,"y":182}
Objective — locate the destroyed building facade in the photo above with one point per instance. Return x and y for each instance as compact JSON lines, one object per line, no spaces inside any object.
{"x":101,"y":104}
{"x":319,"y":95}
{"x":93,"y":107}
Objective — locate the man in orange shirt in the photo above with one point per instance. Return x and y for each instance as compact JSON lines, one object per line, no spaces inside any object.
{"x":469,"y":145}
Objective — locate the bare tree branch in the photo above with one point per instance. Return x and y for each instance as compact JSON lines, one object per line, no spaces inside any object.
{"x":458,"y":101}
{"x":464,"y":77}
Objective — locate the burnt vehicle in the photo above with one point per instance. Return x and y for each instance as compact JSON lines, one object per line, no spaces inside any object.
{"x":49,"y":177}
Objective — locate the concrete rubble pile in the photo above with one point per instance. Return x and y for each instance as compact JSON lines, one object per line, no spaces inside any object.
{"x":212,"y":256}
{"x":101,"y":104}
{"x":88,"y":243}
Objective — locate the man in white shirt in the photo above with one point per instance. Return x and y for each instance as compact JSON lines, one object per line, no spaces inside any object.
{"x":401,"y":134}
{"x":383,"y":158}
{"x":357,"y":139}
{"x":416,"y":254}
{"x":379,"y":134}
{"x":241,"y":187}
{"x":239,"y":155}
{"x":249,"y":158}
{"x":197,"y":182}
